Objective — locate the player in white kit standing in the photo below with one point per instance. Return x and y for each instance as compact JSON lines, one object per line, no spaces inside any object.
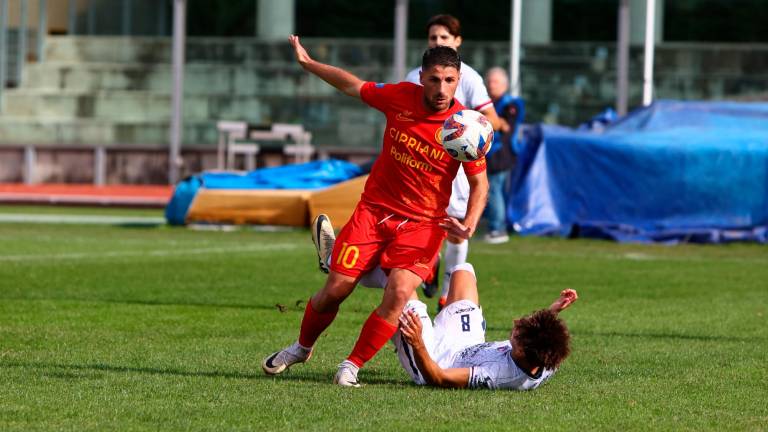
{"x":453,"y":352}
{"x":445,"y":30}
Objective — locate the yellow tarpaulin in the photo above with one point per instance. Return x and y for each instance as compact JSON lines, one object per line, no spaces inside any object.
{"x":258,"y":207}
{"x":338,"y":201}
{"x":276,"y":207}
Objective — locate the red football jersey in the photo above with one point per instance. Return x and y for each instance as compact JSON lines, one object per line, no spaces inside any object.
{"x":412,"y":176}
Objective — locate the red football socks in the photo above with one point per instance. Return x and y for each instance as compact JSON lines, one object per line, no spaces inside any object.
{"x":314,"y":324}
{"x":374,"y":335}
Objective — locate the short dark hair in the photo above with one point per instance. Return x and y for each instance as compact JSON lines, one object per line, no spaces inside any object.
{"x":440,"y":56}
{"x":544,"y":337}
{"x":448,"y":21}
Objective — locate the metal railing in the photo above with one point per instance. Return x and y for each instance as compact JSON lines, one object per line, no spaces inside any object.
{"x":135,"y":17}
{"x":19,"y":44}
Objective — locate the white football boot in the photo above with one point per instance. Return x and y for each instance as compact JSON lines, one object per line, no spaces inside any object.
{"x":323,"y":237}
{"x":279,"y":362}
{"x":346,"y":376}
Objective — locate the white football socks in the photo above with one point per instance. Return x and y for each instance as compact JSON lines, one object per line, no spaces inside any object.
{"x":455,"y":254}
{"x":466,"y":267}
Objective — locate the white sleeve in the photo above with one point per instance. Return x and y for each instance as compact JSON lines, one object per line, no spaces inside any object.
{"x":476,"y":95}
{"x":482,"y":377}
{"x":495,"y":376}
{"x":413,"y":76}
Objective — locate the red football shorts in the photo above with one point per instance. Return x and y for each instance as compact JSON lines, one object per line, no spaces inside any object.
{"x":377,"y":236}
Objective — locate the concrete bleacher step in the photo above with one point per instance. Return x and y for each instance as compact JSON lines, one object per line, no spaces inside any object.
{"x":121,"y":105}
{"x":344,"y":122}
{"x":87,"y":82}
{"x":252,"y":51}
{"x":198,"y":78}
{"x":152,"y":50}
{"x":22,"y":130}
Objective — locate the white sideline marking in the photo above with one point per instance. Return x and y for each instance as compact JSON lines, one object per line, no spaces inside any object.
{"x":144,"y":253}
{"x":81,"y":219}
{"x":33,"y":198}
{"x":639,"y":256}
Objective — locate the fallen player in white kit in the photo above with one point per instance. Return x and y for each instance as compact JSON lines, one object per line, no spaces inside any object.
{"x":453,"y":351}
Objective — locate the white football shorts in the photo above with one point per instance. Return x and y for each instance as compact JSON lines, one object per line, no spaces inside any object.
{"x":458,"y":326}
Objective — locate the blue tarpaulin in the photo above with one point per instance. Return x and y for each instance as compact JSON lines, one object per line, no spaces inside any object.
{"x":307,"y":176}
{"x":670,"y":172}
{"x":310,"y":175}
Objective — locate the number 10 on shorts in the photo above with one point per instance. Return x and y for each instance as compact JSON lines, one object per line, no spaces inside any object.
{"x":348,"y":255}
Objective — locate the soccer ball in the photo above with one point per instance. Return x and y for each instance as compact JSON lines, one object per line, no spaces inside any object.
{"x":467,"y":135}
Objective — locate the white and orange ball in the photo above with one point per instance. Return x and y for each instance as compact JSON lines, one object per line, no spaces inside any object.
{"x":467,"y":135}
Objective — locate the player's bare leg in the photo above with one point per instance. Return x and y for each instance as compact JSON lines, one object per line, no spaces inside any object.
{"x":380,"y":326}
{"x":400,"y":287}
{"x":463,"y":285}
{"x":318,"y":315}
{"x":336,"y":289}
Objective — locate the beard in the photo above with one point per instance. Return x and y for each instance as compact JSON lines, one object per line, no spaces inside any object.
{"x":435,"y":105}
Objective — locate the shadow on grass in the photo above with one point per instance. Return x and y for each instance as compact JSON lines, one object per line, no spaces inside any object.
{"x":304,"y":375}
{"x":103,"y":367}
{"x":327,"y":378}
{"x":197,"y":304}
{"x":295,"y":306}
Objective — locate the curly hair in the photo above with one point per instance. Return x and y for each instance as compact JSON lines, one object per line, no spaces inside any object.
{"x":440,"y":56}
{"x":544,"y":338}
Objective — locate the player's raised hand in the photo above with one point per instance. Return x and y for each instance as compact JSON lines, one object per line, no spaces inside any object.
{"x":455,"y":228}
{"x":298,"y":50}
{"x":567,"y":297}
{"x":410,"y":327}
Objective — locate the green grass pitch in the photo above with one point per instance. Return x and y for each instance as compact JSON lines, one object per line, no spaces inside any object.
{"x":130,"y":328}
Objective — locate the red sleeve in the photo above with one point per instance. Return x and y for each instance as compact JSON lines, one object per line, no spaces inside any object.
{"x":484,"y":105}
{"x":474,"y":167}
{"x":377,"y":95}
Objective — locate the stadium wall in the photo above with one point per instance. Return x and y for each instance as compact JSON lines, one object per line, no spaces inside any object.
{"x":115,"y":91}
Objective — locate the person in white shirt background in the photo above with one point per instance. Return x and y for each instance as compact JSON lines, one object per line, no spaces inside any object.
{"x":445,"y":30}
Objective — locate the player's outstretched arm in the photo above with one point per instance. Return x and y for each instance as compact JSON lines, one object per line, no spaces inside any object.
{"x":498,"y":123}
{"x":478,"y":196}
{"x":567,"y":297}
{"x":410,"y":327}
{"x":337,"y":77}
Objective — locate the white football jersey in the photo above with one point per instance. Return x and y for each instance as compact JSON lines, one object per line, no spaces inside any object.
{"x":491,"y":366}
{"x":457,"y":205}
{"x":471,"y":91}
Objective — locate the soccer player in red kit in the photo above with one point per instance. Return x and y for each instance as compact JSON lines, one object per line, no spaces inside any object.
{"x":400,"y":221}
